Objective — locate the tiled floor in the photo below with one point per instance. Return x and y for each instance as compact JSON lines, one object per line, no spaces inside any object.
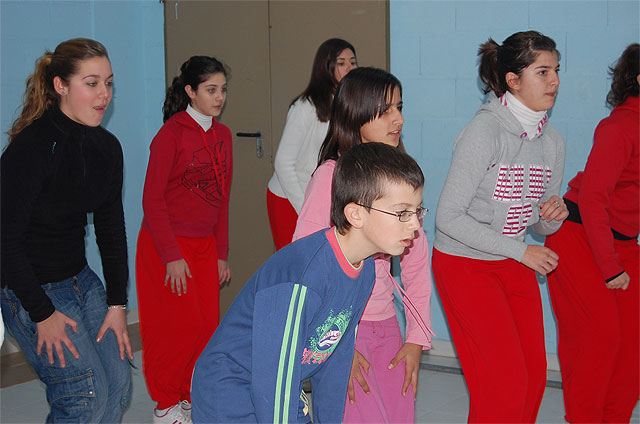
{"x":442,"y":398}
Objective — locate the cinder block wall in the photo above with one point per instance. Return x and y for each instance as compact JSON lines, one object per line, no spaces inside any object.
{"x":434,"y":53}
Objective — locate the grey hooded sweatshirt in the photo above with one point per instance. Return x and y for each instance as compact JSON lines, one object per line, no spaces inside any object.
{"x":496,"y":183}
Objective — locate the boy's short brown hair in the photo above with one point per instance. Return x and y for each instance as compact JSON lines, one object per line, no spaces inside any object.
{"x":362,"y":174}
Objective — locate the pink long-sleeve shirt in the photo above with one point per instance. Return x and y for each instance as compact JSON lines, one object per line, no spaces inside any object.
{"x":315,"y":215}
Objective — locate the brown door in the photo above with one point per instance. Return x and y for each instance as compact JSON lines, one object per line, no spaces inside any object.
{"x":269,"y":47}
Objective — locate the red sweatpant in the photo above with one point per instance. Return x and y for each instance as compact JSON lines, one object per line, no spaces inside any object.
{"x":598,"y":330}
{"x":495,"y":317}
{"x":175,"y":329}
{"x":282,"y":219}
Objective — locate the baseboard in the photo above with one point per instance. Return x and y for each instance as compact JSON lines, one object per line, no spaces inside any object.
{"x":15,"y":369}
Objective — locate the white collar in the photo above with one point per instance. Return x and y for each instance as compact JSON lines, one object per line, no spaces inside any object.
{"x":205,"y":121}
{"x":529,"y":119}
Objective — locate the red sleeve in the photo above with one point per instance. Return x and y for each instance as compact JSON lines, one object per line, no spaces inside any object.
{"x":611,"y":151}
{"x":222,"y":225}
{"x":156,"y":214}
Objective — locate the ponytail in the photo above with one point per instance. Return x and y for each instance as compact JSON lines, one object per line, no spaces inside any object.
{"x":37,"y":97}
{"x":176,"y":99}
{"x":39,"y":94}
{"x":192,"y":73}
{"x":517,"y":52}
{"x":489,"y":66}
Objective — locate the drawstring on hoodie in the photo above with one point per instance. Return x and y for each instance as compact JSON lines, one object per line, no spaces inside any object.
{"x":219,"y":175}
{"x":411,"y":307}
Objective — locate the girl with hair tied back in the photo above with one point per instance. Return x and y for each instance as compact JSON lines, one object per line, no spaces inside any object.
{"x":594,"y":289}
{"x":60,"y":164}
{"x":181,"y":259}
{"x":384,"y":375}
{"x":304,"y":131}
{"x":505,"y":176}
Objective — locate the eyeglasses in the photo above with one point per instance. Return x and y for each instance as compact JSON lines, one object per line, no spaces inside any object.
{"x":403,"y":216}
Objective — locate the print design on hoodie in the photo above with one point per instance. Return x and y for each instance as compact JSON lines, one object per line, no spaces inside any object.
{"x":509,"y":188}
{"x":329,"y":334}
{"x":201,"y":177}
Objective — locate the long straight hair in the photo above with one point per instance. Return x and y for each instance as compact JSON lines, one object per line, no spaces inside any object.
{"x":322,"y":83}
{"x":64,"y":62}
{"x":362,"y":96}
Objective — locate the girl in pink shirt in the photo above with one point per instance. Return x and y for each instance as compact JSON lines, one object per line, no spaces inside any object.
{"x":367,"y":107}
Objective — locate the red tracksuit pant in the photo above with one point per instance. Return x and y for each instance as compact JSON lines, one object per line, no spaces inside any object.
{"x":598,"y":330}
{"x":282,"y":219}
{"x":175,"y":329}
{"x":495,"y":317}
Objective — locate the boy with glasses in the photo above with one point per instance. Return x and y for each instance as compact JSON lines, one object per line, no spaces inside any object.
{"x":296,"y":318}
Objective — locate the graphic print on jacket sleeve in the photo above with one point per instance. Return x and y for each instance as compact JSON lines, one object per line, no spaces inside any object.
{"x":328,"y":336}
{"x":205,"y":175}
{"x":510,"y":186}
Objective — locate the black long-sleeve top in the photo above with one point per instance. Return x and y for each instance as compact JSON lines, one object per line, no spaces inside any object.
{"x":53,"y":173}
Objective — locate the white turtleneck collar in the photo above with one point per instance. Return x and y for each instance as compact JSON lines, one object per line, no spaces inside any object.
{"x":205,"y":121}
{"x":529,"y":119}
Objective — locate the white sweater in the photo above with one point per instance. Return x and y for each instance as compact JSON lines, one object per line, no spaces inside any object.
{"x":297,"y":155}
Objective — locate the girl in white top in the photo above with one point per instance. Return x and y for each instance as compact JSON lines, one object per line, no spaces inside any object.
{"x":304,"y":131}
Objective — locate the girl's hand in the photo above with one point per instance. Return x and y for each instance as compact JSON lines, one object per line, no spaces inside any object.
{"x":358,"y":361}
{"x":540,"y":259}
{"x":224,"y":272}
{"x":177,"y":273}
{"x":116,"y":320}
{"x":620,"y":282}
{"x":51,"y":334}
{"x":410,"y":353}
{"x":554,"y":208}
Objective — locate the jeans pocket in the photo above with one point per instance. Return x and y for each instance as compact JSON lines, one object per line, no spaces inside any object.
{"x":72,"y":398}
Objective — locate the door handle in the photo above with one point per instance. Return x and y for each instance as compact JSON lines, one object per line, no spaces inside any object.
{"x":258,"y":137}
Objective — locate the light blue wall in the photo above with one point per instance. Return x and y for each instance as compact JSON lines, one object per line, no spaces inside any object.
{"x":433,"y":52}
{"x":133,"y":32}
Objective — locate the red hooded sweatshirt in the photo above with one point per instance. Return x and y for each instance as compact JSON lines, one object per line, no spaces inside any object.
{"x":186,"y":191}
{"x":607,"y":191}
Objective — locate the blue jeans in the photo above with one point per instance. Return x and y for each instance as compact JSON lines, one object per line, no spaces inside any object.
{"x":96,"y":387}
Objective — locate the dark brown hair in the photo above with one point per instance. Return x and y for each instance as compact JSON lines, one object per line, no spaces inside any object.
{"x":625,"y":76}
{"x":517,"y":52}
{"x":193,"y":72}
{"x":323,"y":82}
{"x":363,"y":174}
{"x":362,"y":96}
{"x":64,"y":62}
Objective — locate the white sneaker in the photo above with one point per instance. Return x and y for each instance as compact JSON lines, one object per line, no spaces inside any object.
{"x":185,"y":405}
{"x":173,"y":415}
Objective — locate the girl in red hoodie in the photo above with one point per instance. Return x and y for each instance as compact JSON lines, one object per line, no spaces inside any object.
{"x":183,"y":244}
{"x":594,"y":289}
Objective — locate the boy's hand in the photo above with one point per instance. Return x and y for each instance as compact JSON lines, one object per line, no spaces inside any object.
{"x":358,"y":361}
{"x":410,"y":353}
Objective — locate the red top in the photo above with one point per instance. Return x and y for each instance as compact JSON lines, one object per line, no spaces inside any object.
{"x":607,"y":191}
{"x":186,"y":191}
